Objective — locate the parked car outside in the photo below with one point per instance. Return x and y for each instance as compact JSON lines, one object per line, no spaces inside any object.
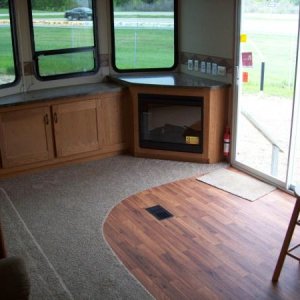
{"x":79,"y":13}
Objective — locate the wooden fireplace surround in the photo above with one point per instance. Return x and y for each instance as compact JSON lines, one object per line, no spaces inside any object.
{"x":215,"y":114}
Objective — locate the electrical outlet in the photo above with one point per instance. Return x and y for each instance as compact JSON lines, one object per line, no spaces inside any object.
{"x":214,"y":69}
{"x":221,"y":70}
{"x":196,"y":65}
{"x":203,"y":67}
{"x":208,"y":67}
{"x":190,"y":65}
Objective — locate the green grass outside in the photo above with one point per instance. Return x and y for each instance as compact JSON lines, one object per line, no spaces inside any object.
{"x":51,"y":15}
{"x":66,"y":63}
{"x":6,"y":54}
{"x":279,"y":54}
{"x":144,"y":48}
{"x":62,"y":37}
{"x":4,"y":11}
{"x":155,"y":49}
{"x":56,"y":38}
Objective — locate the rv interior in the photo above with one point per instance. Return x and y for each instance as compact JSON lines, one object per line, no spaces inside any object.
{"x":149,"y":149}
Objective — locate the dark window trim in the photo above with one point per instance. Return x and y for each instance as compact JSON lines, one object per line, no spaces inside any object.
{"x":113,"y":54}
{"x":11,"y":9}
{"x":64,"y":51}
{"x":36,"y":54}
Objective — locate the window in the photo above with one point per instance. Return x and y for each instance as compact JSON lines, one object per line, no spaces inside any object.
{"x":8,"y":50}
{"x":144,"y":34}
{"x":63,"y":38}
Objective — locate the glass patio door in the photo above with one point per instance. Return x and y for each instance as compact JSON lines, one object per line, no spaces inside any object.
{"x":266,"y":74}
{"x":293,"y":178}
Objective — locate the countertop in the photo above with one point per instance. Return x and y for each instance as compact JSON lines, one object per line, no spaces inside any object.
{"x":178,"y":80}
{"x":54,"y":93}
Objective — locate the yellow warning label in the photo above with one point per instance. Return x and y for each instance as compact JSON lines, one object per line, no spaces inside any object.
{"x":192,"y":140}
{"x":243,"y":38}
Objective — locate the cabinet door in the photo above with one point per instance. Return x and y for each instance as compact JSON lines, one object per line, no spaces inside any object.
{"x":76,"y":127}
{"x":25,"y":136}
{"x":114,"y":121}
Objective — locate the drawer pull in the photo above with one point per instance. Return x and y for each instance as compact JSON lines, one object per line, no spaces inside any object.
{"x":55,"y":117}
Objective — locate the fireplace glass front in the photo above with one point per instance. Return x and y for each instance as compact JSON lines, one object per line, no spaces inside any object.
{"x":173,"y":123}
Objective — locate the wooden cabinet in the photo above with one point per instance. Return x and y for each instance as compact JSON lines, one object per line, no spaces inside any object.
{"x":215,"y":119}
{"x":26,"y":136}
{"x":62,"y":130}
{"x":114,"y":129}
{"x":76,"y":127}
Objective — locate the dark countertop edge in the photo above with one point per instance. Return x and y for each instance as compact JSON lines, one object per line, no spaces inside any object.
{"x":58,"y":93}
{"x":125,"y":83}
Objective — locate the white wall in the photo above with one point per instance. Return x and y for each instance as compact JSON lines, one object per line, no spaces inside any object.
{"x":207,"y":27}
{"x":207,"y":32}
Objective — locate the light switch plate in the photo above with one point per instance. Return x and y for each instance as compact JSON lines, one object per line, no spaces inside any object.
{"x":208,"y":68}
{"x":203,"y":67}
{"x":190,"y":65}
{"x":214,"y":69}
{"x":196,"y":65}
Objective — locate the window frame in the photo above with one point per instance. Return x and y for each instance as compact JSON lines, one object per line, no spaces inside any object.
{"x":113,"y":46}
{"x":14,"y":43}
{"x":36,"y":54}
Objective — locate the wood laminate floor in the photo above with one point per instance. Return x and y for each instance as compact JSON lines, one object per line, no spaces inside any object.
{"x":217,"y":246}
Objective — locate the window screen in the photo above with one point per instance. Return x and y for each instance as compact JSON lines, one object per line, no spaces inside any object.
{"x":144,"y":34}
{"x":8,"y":65}
{"x":63,"y":38}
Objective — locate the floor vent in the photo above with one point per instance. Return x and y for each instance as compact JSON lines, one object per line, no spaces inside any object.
{"x":159,"y":212}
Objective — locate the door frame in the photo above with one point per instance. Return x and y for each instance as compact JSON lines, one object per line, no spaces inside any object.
{"x":235,"y":109}
{"x":295,"y":117}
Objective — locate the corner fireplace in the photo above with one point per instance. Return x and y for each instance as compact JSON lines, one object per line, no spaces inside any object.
{"x":173,"y":123}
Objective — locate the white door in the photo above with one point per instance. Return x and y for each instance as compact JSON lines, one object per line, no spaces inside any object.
{"x":266,"y":60}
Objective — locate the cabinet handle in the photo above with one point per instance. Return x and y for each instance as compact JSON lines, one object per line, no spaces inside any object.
{"x":46,"y":119}
{"x":55,"y":117}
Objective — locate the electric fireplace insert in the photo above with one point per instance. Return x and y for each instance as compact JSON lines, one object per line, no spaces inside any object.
{"x":173,"y":123}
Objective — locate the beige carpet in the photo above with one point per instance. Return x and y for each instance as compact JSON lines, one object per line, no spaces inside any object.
{"x":237,"y":184}
{"x":54,"y":220}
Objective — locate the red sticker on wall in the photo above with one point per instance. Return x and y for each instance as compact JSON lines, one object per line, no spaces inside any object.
{"x":247,"y":59}
{"x":245,"y":77}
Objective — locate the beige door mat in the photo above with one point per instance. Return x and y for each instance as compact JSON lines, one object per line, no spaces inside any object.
{"x":237,"y":184}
